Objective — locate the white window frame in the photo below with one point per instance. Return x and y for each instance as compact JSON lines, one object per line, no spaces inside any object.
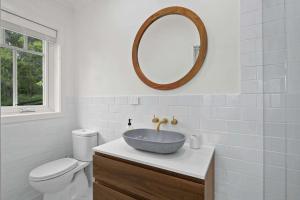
{"x":27,"y":108}
{"x":51,"y":107}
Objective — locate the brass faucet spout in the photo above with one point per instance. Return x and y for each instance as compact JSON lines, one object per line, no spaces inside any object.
{"x":163,"y":121}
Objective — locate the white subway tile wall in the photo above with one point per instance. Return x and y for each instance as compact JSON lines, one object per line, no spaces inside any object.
{"x":251,"y":47}
{"x":281,"y":73}
{"x":230,"y":122}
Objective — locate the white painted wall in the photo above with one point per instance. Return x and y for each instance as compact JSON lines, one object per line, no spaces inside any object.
{"x":26,"y":145}
{"x":105,"y":31}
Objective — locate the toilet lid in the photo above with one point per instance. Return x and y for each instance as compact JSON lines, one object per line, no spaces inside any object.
{"x":52,"y":169}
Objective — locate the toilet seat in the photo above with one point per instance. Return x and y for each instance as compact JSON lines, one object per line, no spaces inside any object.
{"x":53,"y":169}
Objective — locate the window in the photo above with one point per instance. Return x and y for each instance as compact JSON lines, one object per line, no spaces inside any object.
{"x":23,"y":70}
{"x":30,"y":70}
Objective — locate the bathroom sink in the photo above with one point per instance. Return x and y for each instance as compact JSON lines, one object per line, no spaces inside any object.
{"x":162,"y":142}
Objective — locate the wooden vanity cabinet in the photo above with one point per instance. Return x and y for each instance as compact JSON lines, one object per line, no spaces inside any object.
{"x":119,"y":179}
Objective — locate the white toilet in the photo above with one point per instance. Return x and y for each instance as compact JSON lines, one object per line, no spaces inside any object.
{"x":68,"y":178}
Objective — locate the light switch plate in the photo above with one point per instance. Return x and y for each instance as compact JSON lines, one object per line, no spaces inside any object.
{"x":133,"y":100}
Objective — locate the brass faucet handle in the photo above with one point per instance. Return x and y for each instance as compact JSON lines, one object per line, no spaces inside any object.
{"x":164,"y":121}
{"x":174,"y":121}
{"x":155,"y":119}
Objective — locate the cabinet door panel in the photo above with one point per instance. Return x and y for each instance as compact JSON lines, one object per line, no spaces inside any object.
{"x":145,"y":183}
{"x":101,"y":192}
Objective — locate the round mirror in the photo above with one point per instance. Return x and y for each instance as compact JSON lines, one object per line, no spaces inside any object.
{"x":167,"y":47}
{"x":171,"y":51}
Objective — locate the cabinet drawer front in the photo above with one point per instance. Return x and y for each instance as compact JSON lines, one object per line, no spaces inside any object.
{"x":144,"y":183}
{"x":101,"y":192}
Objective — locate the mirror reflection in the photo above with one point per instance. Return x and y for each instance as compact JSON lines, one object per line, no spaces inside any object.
{"x":168,"y":48}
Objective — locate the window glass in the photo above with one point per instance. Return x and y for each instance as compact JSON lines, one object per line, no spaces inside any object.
{"x":6,"y":59}
{"x":14,"y":39}
{"x":30,"y":79}
{"x":35,"y":44}
{"x":23,"y":68}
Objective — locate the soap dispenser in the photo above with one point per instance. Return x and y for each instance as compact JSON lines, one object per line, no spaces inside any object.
{"x":129,"y":124}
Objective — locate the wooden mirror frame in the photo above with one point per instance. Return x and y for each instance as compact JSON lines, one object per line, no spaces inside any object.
{"x":175,"y":10}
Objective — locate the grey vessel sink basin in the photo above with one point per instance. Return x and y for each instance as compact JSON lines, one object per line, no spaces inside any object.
{"x":162,"y":142}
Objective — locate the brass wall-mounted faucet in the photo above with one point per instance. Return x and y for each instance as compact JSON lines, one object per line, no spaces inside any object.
{"x":163,"y":121}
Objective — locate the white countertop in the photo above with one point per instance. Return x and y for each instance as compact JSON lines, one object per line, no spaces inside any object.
{"x":190,"y":162}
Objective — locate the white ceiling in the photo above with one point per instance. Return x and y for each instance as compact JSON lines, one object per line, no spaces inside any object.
{"x":76,"y":4}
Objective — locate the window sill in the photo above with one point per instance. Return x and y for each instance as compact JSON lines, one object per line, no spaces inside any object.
{"x":24,"y":117}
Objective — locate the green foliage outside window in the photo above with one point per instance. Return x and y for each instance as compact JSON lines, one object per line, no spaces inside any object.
{"x":35,"y":44}
{"x":14,"y":39}
{"x":30,"y":79}
{"x":29,"y":72}
{"x":6,"y":60}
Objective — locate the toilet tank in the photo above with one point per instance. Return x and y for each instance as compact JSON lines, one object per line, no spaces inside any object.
{"x":83,"y":142}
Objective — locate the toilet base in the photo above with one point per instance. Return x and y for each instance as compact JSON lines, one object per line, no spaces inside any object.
{"x":77,"y":190}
